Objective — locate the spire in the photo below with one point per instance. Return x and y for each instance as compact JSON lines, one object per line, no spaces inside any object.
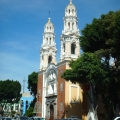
{"x":49,"y":27}
{"x":49,"y":19}
{"x":71,"y":1}
{"x":49,"y":13}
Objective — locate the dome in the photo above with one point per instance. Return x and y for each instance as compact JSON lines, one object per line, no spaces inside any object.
{"x":70,"y":9}
{"x":70,"y":4}
{"x":49,"y":27}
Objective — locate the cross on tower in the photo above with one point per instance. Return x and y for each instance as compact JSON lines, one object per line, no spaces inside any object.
{"x":49,"y":13}
{"x":70,"y":1}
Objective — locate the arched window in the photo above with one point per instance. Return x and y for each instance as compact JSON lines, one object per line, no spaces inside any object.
{"x":50,"y":28}
{"x":50,"y":40}
{"x":73,"y":48}
{"x":72,"y":25}
{"x":68,"y":25}
{"x":64,"y":47}
{"x":47,"y":40}
{"x":42,"y":57}
{"x":73,"y":11}
{"x":49,"y":59}
{"x":69,"y":11}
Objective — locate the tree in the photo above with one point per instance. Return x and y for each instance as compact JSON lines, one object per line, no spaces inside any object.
{"x":103,"y":34}
{"x":32,"y":86}
{"x":9,"y":92}
{"x":85,"y":70}
{"x":32,"y":83}
{"x":102,"y":38}
{"x":29,"y":112}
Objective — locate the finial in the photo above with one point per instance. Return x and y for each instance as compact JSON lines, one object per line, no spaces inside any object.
{"x":70,"y":1}
{"x":49,"y":19}
{"x":49,"y":16}
{"x":49,"y":13}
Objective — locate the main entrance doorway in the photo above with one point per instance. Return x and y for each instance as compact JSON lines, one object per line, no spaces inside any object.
{"x":51,"y":112}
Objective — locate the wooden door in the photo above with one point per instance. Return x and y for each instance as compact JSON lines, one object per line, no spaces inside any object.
{"x":51,"y":112}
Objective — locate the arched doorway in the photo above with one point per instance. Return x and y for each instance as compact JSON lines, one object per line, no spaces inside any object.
{"x":51,"y":112}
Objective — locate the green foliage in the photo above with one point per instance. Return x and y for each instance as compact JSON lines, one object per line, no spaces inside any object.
{"x":101,"y":38}
{"x":33,"y":102}
{"x":1,"y":112}
{"x":103,"y":34}
{"x":10,"y":91}
{"x":13,"y":113}
{"x":32,"y":86}
{"x":87,"y":69}
{"x":32,"y":83}
{"x":29,"y":112}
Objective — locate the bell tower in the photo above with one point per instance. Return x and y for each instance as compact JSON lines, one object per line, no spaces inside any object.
{"x":70,"y":48}
{"x":48,"y":47}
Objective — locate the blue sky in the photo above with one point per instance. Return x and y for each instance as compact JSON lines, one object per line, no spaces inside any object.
{"x":22,"y":24}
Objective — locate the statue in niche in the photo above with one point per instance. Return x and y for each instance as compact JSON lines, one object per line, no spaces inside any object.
{"x":52,"y":75}
{"x":51,"y":82}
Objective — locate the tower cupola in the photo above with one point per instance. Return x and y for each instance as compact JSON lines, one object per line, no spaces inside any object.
{"x":49,"y":27}
{"x":70,"y":10}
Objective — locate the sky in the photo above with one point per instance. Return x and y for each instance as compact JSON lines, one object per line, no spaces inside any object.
{"x":22,"y":26}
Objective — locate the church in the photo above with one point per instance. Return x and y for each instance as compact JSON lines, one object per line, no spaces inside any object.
{"x":57,"y":98}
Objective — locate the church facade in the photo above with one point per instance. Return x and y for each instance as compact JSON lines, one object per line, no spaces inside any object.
{"x":57,"y":98}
